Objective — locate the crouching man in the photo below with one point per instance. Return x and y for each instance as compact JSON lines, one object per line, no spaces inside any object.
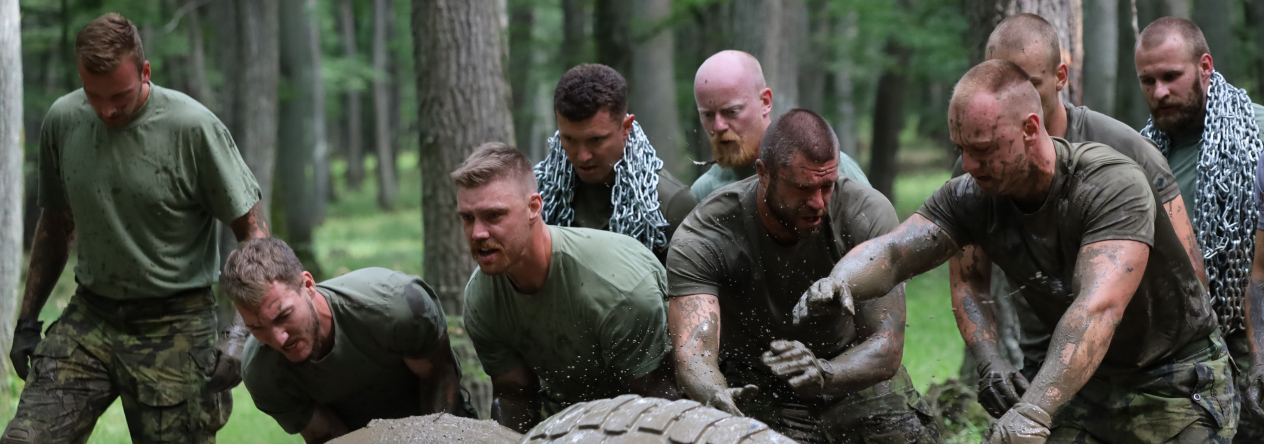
{"x":327,"y":358}
{"x":739,"y":263}
{"x":558,"y":315}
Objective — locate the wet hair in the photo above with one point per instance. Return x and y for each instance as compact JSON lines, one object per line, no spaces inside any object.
{"x":798,"y":131}
{"x":586,"y":89}
{"x":106,"y":42}
{"x":1157,"y":32}
{"x":491,"y":162}
{"x":996,"y":77}
{"x":254,"y":266}
{"x":1017,"y":31}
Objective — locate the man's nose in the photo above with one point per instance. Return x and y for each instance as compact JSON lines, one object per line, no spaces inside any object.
{"x":969,"y":164}
{"x":280,"y":336}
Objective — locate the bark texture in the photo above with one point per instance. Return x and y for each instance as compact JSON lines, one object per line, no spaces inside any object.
{"x":463,"y":101}
{"x":10,"y":175}
{"x":772,"y":30}
{"x":1065,"y":15}
{"x":521,"y":59}
{"x":258,"y":30}
{"x":302,"y":128}
{"x":653,"y":82}
{"x":387,"y":185}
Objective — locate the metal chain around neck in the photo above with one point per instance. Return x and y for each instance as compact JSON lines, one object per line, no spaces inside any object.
{"x":1225,"y":214}
{"x":634,"y":197}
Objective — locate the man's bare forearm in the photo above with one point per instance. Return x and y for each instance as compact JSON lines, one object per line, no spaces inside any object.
{"x":252,"y":225}
{"x":875,"y":359}
{"x":1179,"y":217}
{"x":695,"y":332}
{"x":1254,"y":304}
{"x":972,"y":304}
{"x":49,"y":253}
{"x":875,"y":267}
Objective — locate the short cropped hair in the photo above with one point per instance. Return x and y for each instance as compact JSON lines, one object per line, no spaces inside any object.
{"x":1158,"y":32}
{"x":254,"y":266}
{"x":1017,"y":31}
{"x":588,"y":88}
{"x":798,"y":131}
{"x":106,"y":42}
{"x":995,"y":77}
{"x":491,"y":162}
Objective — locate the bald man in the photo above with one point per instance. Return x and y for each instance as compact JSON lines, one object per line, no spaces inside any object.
{"x":735,"y":105}
{"x":1078,"y":226}
{"x":1032,"y":43}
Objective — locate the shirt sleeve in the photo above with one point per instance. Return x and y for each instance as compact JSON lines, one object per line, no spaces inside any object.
{"x":228,"y":187}
{"x":51,"y":191}
{"x":1120,"y":207}
{"x":862,"y":213}
{"x":496,"y":355}
{"x":693,"y":262}
{"x":417,"y":323}
{"x":272,"y":395}
{"x":951,"y":206}
{"x":634,"y":333}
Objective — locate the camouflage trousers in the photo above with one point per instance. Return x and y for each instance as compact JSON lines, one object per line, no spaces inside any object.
{"x":154,"y":354}
{"x":1190,"y":400}
{"x":890,"y":412}
{"x":1250,"y":427}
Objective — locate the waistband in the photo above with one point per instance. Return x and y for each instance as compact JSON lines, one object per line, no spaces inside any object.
{"x":188,"y":301}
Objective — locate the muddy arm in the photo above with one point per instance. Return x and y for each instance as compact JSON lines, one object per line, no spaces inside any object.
{"x":1179,"y":217}
{"x":694,"y":324}
{"x":877,"y":358}
{"x":1107,"y":274}
{"x":516,"y":399}
{"x":1253,"y":393}
{"x":440,"y":379}
{"x":970,"y":282}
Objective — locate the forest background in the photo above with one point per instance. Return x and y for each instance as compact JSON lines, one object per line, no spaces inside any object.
{"x":321,"y":94}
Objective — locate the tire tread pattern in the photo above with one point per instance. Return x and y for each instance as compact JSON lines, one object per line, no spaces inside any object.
{"x":634,"y":419}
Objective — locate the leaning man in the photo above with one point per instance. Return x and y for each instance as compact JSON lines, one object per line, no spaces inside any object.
{"x":739,"y":264}
{"x":138,"y":174}
{"x":327,"y":358}
{"x":557,"y":315}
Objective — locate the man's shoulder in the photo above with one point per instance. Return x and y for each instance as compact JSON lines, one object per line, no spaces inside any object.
{"x":705,"y":184}
{"x":374,"y":289}
{"x":1098,"y":127}
{"x":73,"y":104}
{"x":181,"y":111}
{"x":724,"y":203}
{"x":609,"y":257}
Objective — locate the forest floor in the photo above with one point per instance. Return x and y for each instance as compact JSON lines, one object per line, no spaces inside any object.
{"x":356,"y":234}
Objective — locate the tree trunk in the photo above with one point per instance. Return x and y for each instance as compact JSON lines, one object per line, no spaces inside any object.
{"x":888,"y":120}
{"x":814,"y":64}
{"x":302,"y":128}
{"x":521,"y":60}
{"x":844,"y":90}
{"x":1214,"y":17}
{"x":653,"y":82}
{"x":387,"y":186}
{"x":354,"y":139}
{"x":462,"y":101}
{"x":611,"y":33}
{"x":223,"y":16}
{"x":572,"y":51}
{"x":258,"y":142}
{"x":1065,"y":15}
{"x":1255,"y":13}
{"x":1101,"y":65}
{"x":1177,"y":8}
{"x":199,"y":84}
{"x":10,"y":176}
{"x":1130,"y":104}
{"x":708,"y":35}
{"x":772,"y":31}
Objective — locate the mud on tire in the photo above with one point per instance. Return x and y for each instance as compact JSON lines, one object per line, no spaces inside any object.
{"x":439,"y":428}
{"x":631,"y":418}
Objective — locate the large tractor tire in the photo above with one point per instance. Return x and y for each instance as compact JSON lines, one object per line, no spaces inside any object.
{"x":439,"y":428}
{"x":633,"y":419}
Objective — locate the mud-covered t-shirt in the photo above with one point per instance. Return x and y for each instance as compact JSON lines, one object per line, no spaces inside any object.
{"x":593,"y":206}
{"x":1097,"y":194}
{"x":380,"y":317}
{"x":1086,"y":125}
{"x":145,"y":197}
{"x":598,"y":321}
{"x":717,"y":176}
{"x":723,"y":249}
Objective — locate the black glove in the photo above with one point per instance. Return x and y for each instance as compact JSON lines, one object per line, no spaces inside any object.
{"x":1254,"y":396}
{"x":1023,"y":424}
{"x":227,"y":373}
{"x":731,"y":400}
{"x":794,"y":363}
{"x":26,"y":336}
{"x":1000,"y":385}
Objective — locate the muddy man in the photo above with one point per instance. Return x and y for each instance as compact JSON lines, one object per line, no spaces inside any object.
{"x":1135,"y":354}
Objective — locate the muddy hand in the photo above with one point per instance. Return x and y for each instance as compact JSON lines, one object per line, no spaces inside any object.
{"x":794,"y":363}
{"x":1252,"y":399}
{"x":1000,"y":385}
{"x":227,"y":373}
{"x":1023,"y":424}
{"x":731,"y":400}
{"x":823,"y":297}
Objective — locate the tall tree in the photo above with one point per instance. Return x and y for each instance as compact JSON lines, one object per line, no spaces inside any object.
{"x":1101,"y":65}
{"x":653,"y":81}
{"x":463,"y":101}
{"x":1215,"y":17}
{"x":771,"y":30}
{"x":387,"y":185}
{"x":257,"y":20}
{"x":223,"y":17}
{"x":573,"y":20}
{"x":302,"y":127}
{"x":888,"y":118}
{"x":1255,"y":13}
{"x":1065,"y":15}
{"x":353,"y":139}
{"x":521,"y":60}
{"x":10,"y":174}
{"x":843,"y":87}
{"x":199,"y":85}
{"x":611,"y":33}
{"x":813,"y":65}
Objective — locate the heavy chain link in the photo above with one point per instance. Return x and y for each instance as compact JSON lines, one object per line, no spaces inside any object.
{"x":637,"y":212}
{"x":1225,"y":216}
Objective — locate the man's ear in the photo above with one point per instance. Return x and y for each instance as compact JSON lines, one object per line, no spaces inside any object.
{"x":308,"y":280}
{"x":761,"y":170}
{"x":765,"y":97}
{"x":1205,"y":66}
{"x":535,"y":206}
{"x":1062,"y":77}
{"x":1031,"y":129}
{"x":627,"y":124}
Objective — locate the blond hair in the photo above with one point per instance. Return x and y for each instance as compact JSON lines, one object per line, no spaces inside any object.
{"x":254,"y":266}
{"x":491,"y":162}
{"x":106,"y":42}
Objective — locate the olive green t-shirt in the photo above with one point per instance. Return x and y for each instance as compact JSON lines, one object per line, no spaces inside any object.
{"x":717,"y":177}
{"x":1097,"y":194}
{"x":380,"y":317}
{"x":1182,"y":156}
{"x":723,"y":249}
{"x":1086,"y":125}
{"x":145,"y":197}
{"x":593,"y":207}
{"x":599,"y":320}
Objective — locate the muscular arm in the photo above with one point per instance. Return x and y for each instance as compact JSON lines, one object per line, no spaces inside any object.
{"x":970,"y":281}
{"x":440,"y":379}
{"x":1254,"y":304}
{"x":694,"y":324}
{"x":516,"y":399}
{"x":656,"y":384}
{"x":877,"y":358}
{"x":324,"y":426}
{"x":49,"y":253}
{"x":251,"y":225}
{"x":1107,"y":274}
{"x":1176,"y":213}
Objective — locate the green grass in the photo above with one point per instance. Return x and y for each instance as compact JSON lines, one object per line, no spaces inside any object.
{"x":356,"y":234}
